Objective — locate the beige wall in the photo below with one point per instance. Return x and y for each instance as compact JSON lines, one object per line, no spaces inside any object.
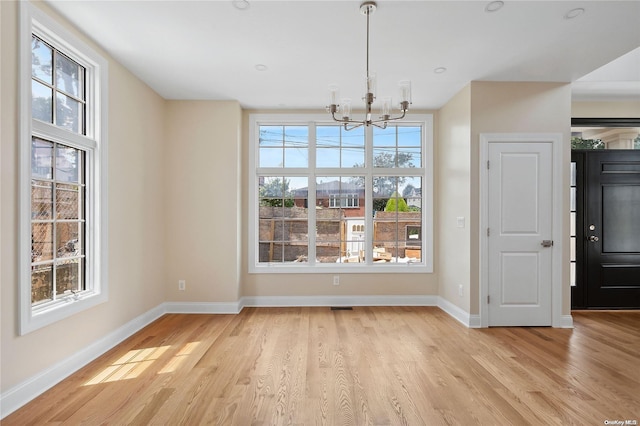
{"x":628,"y":109}
{"x":136,"y":218}
{"x":453,"y":183}
{"x":499,"y":107}
{"x":202,"y":200}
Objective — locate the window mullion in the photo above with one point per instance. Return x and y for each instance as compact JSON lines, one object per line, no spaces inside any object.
{"x":53,"y":133}
{"x":82,"y":220}
{"x":54,"y":98}
{"x":44,"y":83}
{"x":368,"y":200}
{"x":54,"y":215}
{"x":69,"y":95}
{"x":311,"y":197}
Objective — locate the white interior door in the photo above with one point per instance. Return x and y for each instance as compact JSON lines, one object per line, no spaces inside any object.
{"x":520,"y":212}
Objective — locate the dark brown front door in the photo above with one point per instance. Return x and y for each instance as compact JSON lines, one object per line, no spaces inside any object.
{"x":611,"y":229}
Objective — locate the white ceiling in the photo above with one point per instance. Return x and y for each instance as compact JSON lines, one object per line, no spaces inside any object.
{"x":210,"y":49}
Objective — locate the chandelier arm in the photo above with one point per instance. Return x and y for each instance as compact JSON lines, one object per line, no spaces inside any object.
{"x":339,"y":120}
{"x":355,"y":123}
{"x":355,"y":126}
{"x":383,"y":126}
{"x":400,"y":117}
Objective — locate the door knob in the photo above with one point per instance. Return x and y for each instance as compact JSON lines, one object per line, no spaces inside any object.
{"x":593,"y":238}
{"x":546,"y":243}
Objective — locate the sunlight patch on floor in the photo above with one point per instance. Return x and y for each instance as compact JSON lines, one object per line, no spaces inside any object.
{"x":129,"y":366}
{"x":180,"y":357}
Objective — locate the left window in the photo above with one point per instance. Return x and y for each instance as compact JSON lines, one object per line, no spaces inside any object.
{"x":63,"y":172}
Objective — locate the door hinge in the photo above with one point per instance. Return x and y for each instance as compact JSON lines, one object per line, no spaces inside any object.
{"x":488,"y":166}
{"x":488,"y":299}
{"x":488,"y":232}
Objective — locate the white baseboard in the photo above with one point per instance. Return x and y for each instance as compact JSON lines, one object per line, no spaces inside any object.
{"x":202,"y":307}
{"x":284,"y":301}
{"x":475,"y":321}
{"x":455,"y":311}
{"x":24,"y":392}
{"x":566,"y":321}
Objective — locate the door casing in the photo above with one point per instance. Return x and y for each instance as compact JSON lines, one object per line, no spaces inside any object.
{"x":560,"y":211}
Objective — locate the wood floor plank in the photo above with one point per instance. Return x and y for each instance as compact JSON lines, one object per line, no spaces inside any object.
{"x":366,"y":366}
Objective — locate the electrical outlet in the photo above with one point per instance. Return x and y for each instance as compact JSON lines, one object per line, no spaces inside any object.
{"x":182,"y":285}
{"x":460,"y":290}
{"x":336,"y":280}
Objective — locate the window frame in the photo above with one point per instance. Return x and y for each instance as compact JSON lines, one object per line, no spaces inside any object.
{"x":258,"y":119}
{"x":93,"y":143}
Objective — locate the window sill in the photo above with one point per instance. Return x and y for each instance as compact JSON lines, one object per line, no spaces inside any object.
{"x":51,"y":312}
{"x":353,"y":268}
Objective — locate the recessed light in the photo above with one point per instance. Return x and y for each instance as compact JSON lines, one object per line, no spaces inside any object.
{"x":439,"y":70}
{"x":240,"y":4}
{"x":494,"y":6}
{"x":261,"y":67}
{"x":574,"y":13}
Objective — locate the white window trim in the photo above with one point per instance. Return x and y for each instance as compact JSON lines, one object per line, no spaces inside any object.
{"x":35,"y":21}
{"x":254,"y":267}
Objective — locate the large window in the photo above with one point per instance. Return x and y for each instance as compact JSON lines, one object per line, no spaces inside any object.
{"x":63,"y":161}
{"x":325,"y":199}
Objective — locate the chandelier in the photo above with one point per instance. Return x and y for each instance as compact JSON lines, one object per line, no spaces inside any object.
{"x":344,"y":106}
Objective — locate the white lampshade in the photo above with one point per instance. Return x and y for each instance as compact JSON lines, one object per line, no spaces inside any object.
{"x":345,"y":106}
{"x":334,"y":94}
{"x":371,"y":83}
{"x":405,"y":91}
{"x":386,"y":106}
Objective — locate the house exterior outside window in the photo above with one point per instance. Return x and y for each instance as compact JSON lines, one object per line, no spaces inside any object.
{"x":311,"y":182}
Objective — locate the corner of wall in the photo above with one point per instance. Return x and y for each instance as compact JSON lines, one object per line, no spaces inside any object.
{"x":453,"y":188}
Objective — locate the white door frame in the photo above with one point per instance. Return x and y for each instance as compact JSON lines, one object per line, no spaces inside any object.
{"x":557,"y":267}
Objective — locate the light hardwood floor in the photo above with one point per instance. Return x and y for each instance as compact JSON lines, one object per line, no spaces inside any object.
{"x":378,"y":366}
